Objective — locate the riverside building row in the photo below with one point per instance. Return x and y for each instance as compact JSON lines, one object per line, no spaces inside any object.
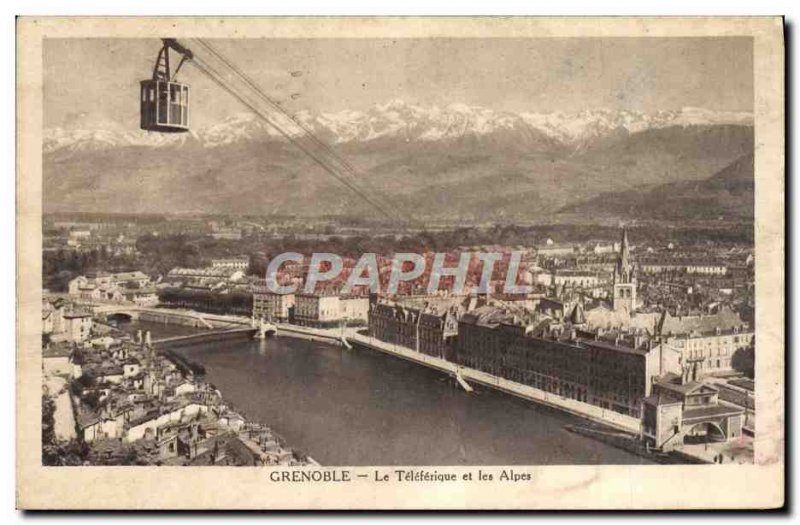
{"x":612,"y":356}
{"x":317,"y":310}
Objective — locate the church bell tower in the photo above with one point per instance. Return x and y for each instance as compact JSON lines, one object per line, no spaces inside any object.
{"x":624,"y":294}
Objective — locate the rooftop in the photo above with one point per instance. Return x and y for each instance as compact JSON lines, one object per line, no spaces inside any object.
{"x":672,"y":382}
{"x":725,"y":320}
{"x":710,"y":411}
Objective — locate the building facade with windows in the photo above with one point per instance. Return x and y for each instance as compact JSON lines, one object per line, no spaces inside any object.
{"x":327,"y":310}
{"x":424,"y":328}
{"x":272,"y":306}
{"x":612,"y":371}
{"x":78,"y":324}
{"x":682,"y":410}
{"x":707,"y":341}
{"x":239,"y":262}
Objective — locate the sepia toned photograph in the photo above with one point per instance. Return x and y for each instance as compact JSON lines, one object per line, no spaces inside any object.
{"x":456,"y":258}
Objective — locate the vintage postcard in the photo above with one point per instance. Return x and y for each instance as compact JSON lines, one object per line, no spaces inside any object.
{"x":400,"y":263}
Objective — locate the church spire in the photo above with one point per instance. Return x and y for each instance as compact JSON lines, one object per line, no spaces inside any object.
{"x":624,"y":248}
{"x":623,"y":272}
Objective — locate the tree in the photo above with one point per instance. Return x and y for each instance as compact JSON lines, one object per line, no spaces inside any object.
{"x":744,"y":360}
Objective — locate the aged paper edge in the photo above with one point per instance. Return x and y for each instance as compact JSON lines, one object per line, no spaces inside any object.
{"x":554,"y":487}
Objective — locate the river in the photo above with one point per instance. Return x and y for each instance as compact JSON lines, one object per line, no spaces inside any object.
{"x":359,"y":407}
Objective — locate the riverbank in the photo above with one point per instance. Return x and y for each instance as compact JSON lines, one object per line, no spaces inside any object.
{"x":345,"y":337}
{"x":358,"y":408}
{"x":583,"y":410}
{"x":631,"y":443}
{"x":350,"y":336}
{"x":571,"y":406}
{"x":263,"y":443}
{"x":238,"y":439}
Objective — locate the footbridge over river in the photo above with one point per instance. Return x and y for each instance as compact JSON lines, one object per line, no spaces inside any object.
{"x":244,"y":332}
{"x":218,"y":327}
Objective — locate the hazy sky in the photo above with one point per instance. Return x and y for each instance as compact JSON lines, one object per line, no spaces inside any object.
{"x":95,"y":81}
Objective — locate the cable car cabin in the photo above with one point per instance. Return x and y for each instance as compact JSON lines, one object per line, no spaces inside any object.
{"x":164,"y":106}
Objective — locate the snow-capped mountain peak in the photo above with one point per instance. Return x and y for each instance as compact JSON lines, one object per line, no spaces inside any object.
{"x":399,"y":119}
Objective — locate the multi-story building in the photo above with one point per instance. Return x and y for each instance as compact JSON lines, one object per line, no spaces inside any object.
{"x":133,"y":286}
{"x":613,"y":370}
{"x":550,"y":249}
{"x":63,"y":322}
{"x":598,"y":248}
{"x":78,"y":325}
{"x":272,"y":306}
{"x":575,"y":278}
{"x":706,"y":341}
{"x":239,"y":262}
{"x":354,"y":308}
{"x":328,"y":309}
{"x":427,"y":328}
{"x":204,"y":277}
{"x":683,"y":265}
{"x":53,"y":316}
{"x":135,"y":279}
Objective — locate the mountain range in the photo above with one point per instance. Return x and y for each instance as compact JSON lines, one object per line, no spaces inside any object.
{"x":728,"y":194}
{"x":454,"y":162}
